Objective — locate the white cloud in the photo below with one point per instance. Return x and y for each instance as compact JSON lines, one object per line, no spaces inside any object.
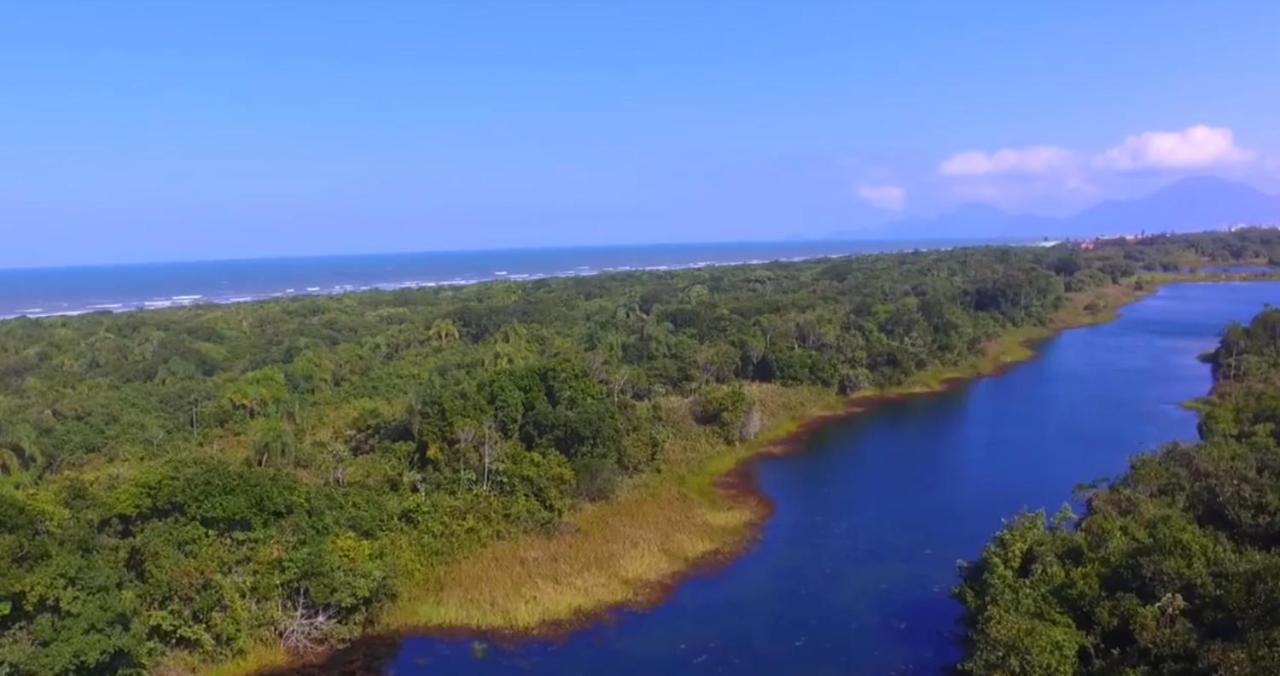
{"x":1031,"y":160}
{"x":885,"y":196}
{"x":1195,"y":147}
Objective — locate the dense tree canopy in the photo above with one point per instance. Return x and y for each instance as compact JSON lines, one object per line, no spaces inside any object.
{"x":186,"y":481}
{"x":1174,"y":568}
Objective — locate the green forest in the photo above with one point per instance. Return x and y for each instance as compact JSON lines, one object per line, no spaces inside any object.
{"x":1174,"y":567}
{"x":188,"y":481}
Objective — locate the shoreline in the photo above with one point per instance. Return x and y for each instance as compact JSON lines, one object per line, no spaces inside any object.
{"x":206,"y":298}
{"x":730,"y":479}
{"x":201,"y":296}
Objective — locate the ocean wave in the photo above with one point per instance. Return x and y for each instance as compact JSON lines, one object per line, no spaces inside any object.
{"x":59,"y":313}
{"x":185,"y":300}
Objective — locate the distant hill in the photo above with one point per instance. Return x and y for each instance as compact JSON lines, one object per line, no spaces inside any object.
{"x":970,"y":220}
{"x":1198,"y":203}
{"x":1190,"y":204}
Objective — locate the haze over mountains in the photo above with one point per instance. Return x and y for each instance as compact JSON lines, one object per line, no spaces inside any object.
{"x":1190,"y":204}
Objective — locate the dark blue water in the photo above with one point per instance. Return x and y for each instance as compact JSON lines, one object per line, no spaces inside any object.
{"x":853,"y":571}
{"x":50,"y":291}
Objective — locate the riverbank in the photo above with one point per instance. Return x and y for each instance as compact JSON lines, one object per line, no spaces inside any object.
{"x":700,"y":511}
{"x":1196,"y":502}
{"x":627,"y":551}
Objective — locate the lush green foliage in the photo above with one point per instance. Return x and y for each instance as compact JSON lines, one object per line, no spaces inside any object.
{"x":1174,"y":567}
{"x":187,"y":481}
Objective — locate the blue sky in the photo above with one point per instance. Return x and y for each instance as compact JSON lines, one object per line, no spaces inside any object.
{"x":137,"y":131}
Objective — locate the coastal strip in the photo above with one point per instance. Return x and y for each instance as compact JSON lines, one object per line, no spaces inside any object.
{"x":187,"y":294}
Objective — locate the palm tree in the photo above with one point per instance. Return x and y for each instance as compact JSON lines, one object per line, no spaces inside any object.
{"x":18,"y":453}
{"x":510,"y":346}
{"x":444,"y":332}
{"x":633,"y":314}
{"x":514,"y":334}
{"x":273,"y":443}
{"x":11,"y":463}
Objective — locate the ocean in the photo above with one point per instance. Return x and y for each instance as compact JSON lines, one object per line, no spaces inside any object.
{"x":41,"y":292}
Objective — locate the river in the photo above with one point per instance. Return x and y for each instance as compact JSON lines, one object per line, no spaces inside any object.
{"x":853,"y":571}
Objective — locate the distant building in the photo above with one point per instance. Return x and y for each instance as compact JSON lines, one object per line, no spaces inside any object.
{"x":1258,"y":226}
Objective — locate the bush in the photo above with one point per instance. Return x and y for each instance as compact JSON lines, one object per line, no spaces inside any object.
{"x":1085,"y":280}
{"x":597,"y":478}
{"x":729,"y":410}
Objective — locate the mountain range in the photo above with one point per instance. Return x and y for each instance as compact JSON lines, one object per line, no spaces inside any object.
{"x":1190,"y":204}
